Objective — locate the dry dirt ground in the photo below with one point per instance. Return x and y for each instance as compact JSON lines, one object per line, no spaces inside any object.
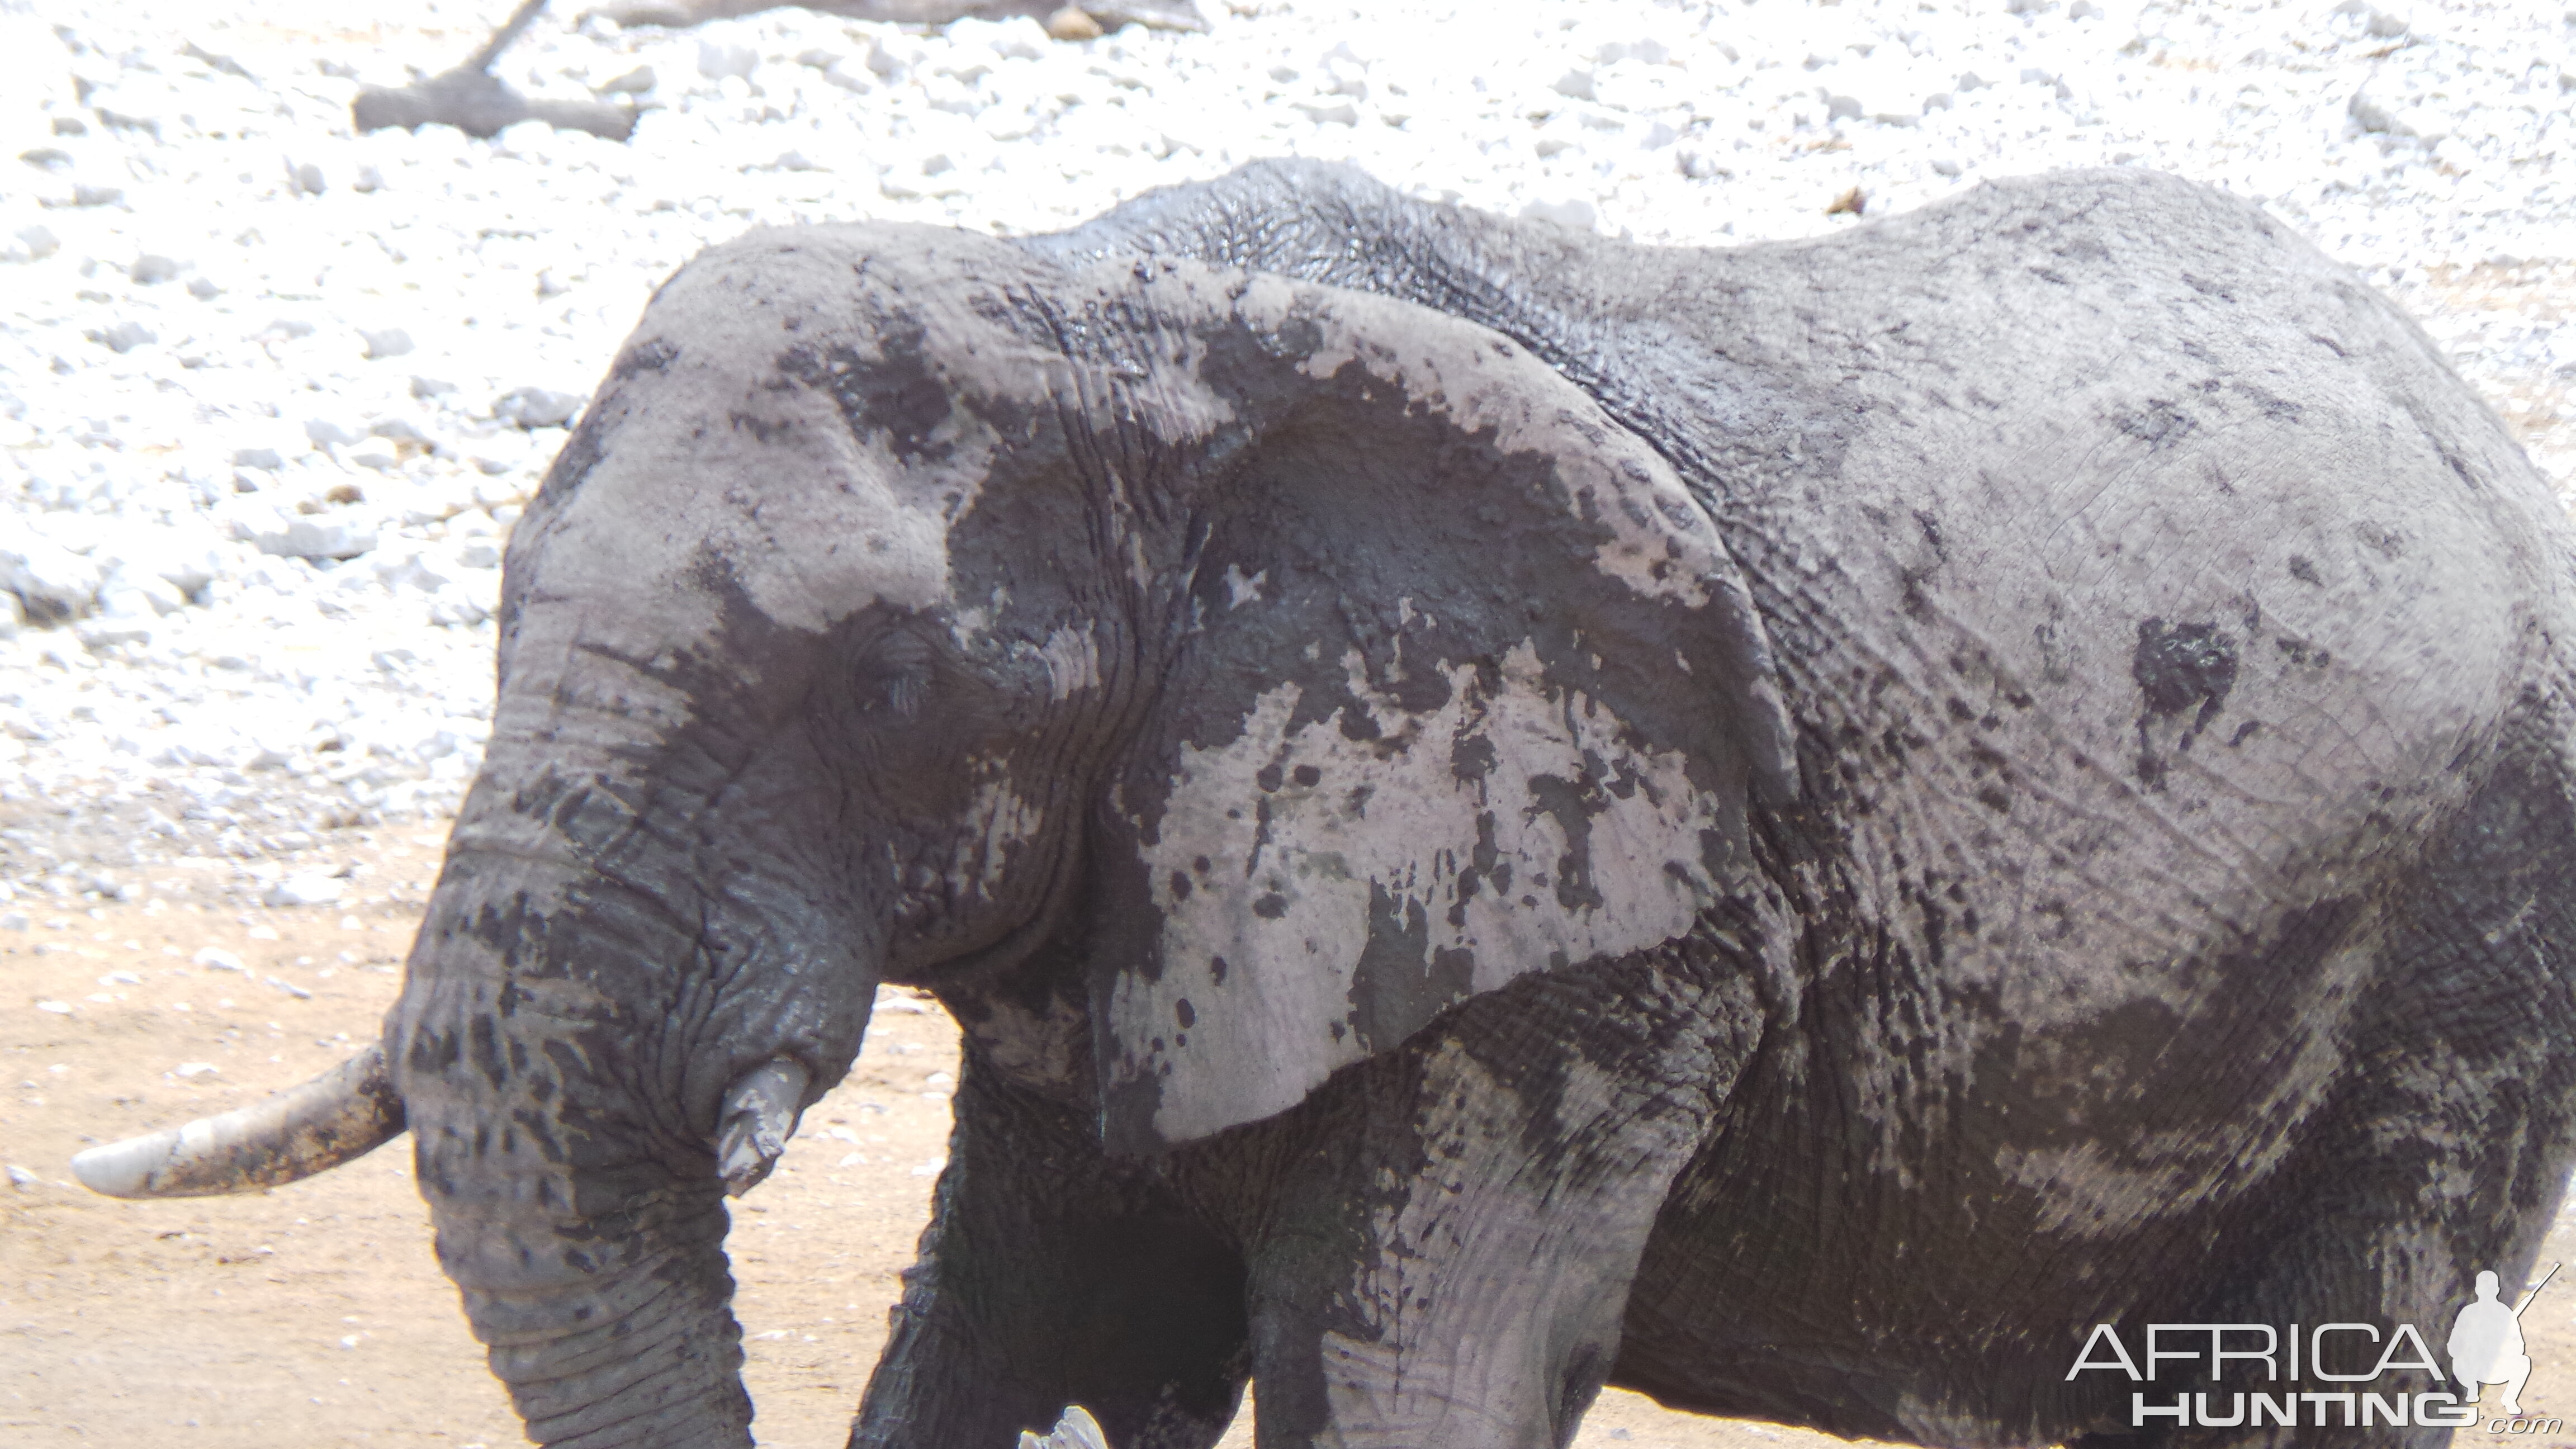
{"x":314,"y":1315}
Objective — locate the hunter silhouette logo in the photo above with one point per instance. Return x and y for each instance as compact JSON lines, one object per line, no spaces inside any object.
{"x":2289,"y":1382}
{"x":2486,"y":1344}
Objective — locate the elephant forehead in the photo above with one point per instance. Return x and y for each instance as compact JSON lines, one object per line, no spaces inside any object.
{"x":788,"y":415}
{"x":1323,"y":897}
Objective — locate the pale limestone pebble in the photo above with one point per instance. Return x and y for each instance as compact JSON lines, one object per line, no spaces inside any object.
{"x":306,"y":890}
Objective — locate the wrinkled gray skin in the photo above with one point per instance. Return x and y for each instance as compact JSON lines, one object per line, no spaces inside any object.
{"x":1790,"y":827}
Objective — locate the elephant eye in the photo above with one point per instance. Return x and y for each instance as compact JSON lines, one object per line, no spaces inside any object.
{"x":893,"y":678}
{"x":902,"y":695}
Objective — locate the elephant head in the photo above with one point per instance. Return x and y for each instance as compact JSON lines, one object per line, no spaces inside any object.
{"x":908,"y":601}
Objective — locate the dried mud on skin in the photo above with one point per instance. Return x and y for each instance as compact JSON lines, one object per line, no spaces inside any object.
{"x":315,"y":1315}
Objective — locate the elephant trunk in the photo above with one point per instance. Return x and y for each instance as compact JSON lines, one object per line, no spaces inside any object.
{"x":630,"y":1344}
{"x":575,"y":1138}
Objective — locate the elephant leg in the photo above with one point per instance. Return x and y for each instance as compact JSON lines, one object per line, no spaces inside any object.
{"x":1446,"y":1259}
{"x":1050,"y":1276}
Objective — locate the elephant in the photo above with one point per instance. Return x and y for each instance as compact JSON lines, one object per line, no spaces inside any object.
{"x":1804,"y":828}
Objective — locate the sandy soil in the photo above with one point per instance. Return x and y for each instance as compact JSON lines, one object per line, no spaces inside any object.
{"x":314,"y":1314}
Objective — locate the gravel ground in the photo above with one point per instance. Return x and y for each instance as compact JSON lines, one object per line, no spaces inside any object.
{"x":272,"y":392}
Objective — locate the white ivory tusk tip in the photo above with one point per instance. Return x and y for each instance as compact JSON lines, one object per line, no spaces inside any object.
{"x":344,"y":1113}
{"x":124,"y":1169}
{"x":1075,"y":1430}
{"x":759,"y":1116}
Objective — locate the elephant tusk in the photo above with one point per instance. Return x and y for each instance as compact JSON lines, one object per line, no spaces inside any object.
{"x":759,"y":1116}
{"x":1076,"y":1430}
{"x":346,"y":1112}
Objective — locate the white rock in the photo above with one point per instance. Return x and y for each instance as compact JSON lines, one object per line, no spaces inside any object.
{"x":122,"y":337}
{"x":194,"y":1069}
{"x":717,"y":61}
{"x":184,"y":560}
{"x":215,"y":958}
{"x":305,"y":890}
{"x":50,"y":581}
{"x":317,"y":538}
{"x":2374,"y":115}
{"x":34,"y":244}
{"x":2421,"y":122}
{"x":1573,"y":213}
{"x":536,"y":407}
{"x":58,"y":1008}
{"x":890,"y":62}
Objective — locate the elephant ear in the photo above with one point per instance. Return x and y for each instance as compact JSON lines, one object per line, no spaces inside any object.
{"x":1466,"y":687}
